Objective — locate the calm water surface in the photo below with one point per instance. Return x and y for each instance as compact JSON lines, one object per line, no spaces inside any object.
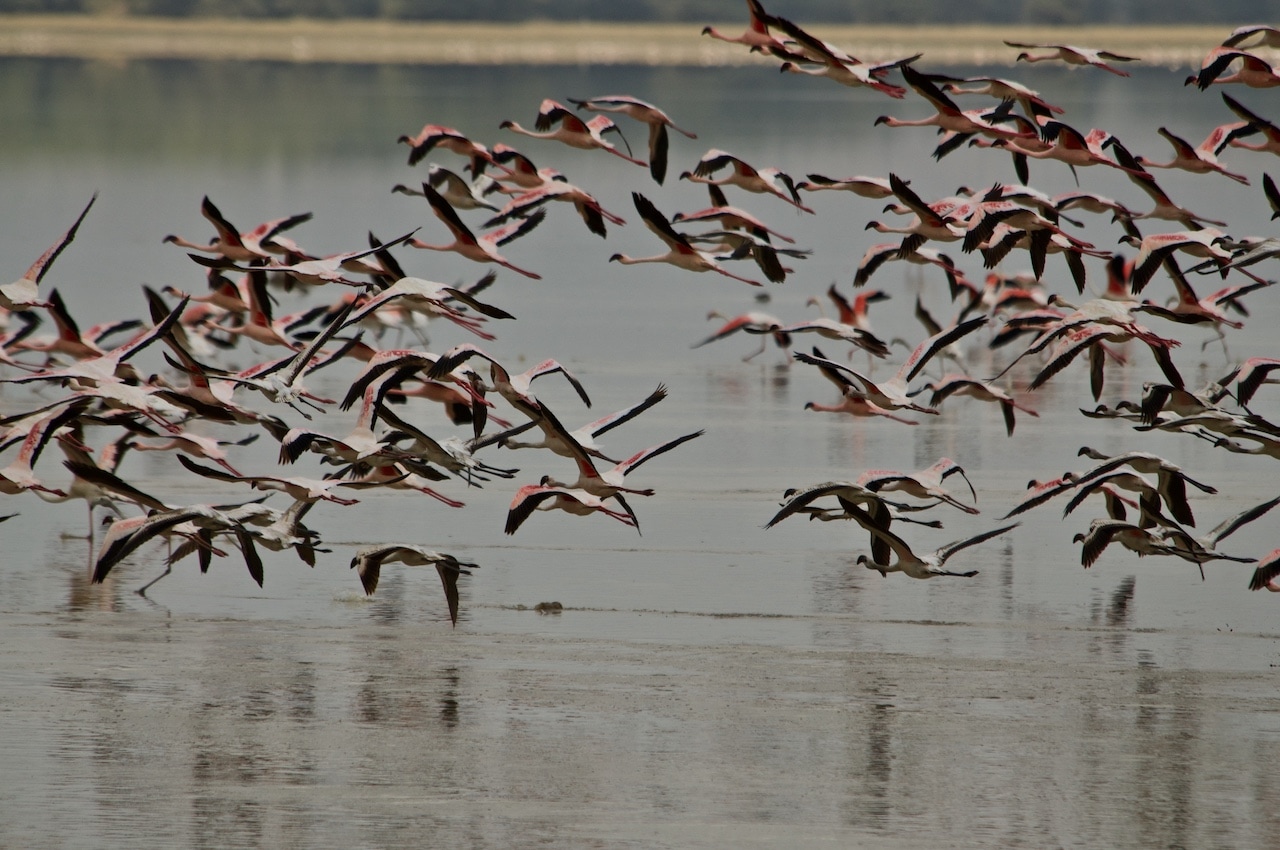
{"x":710,"y":683}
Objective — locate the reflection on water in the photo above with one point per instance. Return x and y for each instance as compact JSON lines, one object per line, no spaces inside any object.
{"x":709,"y":683}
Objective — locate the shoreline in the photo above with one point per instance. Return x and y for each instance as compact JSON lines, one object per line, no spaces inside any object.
{"x":542,"y":43}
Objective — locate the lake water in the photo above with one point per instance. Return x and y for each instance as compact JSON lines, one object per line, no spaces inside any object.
{"x":709,"y":683}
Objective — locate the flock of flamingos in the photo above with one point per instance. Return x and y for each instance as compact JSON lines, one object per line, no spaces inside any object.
{"x":108,"y":403}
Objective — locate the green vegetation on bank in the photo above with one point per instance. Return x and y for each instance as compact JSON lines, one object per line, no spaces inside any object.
{"x":1051,"y":12}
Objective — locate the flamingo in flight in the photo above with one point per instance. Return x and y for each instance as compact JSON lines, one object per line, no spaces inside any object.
{"x":252,"y":246}
{"x":892,"y":393}
{"x":1254,"y":71}
{"x":23,"y":294}
{"x":762,"y":181}
{"x":647,"y":113}
{"x":572,"y":130}
{"x":756,"y":35}
{"x":681,"y":253}
{"x":1200,"y":159}
{"x":368,"y":565}
{"x":924,"y":566}
{"x":1072,"y":56}
{"x":434,"y":136}
{"x":483,"y":248}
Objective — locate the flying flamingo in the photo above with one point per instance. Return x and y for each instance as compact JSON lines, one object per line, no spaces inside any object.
{"x":483,"y":248}
{"x":1254,"y":71}
{"x":681,"y":252}
{"x":644,"y":112}
{"x":434,"y":136}
{"x":252,"y":246}
{"x":572,"y":130}
{"x":892,"y":394}
{"x":544,"y":497}
{"x":1201,"y":159}
{"x":1073,"y":56}
{"x":369,"y":560}
{"x":756,"y":35}
{"x":925,"y":566}
{"x":23,"y":294}
{"x":762,"y":181}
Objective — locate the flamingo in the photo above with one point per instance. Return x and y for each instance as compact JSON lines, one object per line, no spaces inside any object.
{"x":1153,"y":250}
{"x":925,"y":566}
{"x":252,"y":246}
{"x":681,"y":252}
{"x":815,"y":57}
{"x":1201,"y":159}
{"x":461,"y":194}
{"x":1172,"y":481}
{"x":879,"y":254}
{"x":892,"y":394}
{"x":1267,"y":36}
{"x":946,"y":116}
{"x":762,"y":181}
{"x":756,"y":35}
{"x":730,"y":217}
{"x":314,"y":271}
{"x":514,"y":388}
{"x":23,"y":294}
{"x":583,"y":439}
{"x":940,"y":221}
{"x":866,"y":187}
{"x":572,"y":130}
{"x":957,"y":384}
{"x":70,"y":340}
{"x":1254,"y":71}
{"x":295,"y":487}
{"x":1252,"y":124}
{"x":609,"y":483}
{"x":926,"y":484}
{"x":999,"y":88}
{"x":847,"y":493}
{"x":368,"y":565}
{"x":433,"y":136}
{"x":480,"y":249}
{"x":545,"y":497}
{"x":761,"y":322}
{"x":1073,"y":56}
{"x":646,"y":113}
{"x":589,"y":209}
{"x":832,"y":329}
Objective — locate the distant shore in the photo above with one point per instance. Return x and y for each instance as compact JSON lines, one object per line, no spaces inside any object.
{"x":544,"y":43}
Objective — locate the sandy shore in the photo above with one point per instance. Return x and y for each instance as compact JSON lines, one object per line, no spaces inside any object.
{"x":540,"y":43}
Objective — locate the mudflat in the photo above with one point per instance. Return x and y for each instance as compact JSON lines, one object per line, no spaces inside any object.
{"x":542,"y":42}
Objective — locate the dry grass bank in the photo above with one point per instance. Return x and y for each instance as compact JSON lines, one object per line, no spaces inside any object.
{"x":120,"y":38}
